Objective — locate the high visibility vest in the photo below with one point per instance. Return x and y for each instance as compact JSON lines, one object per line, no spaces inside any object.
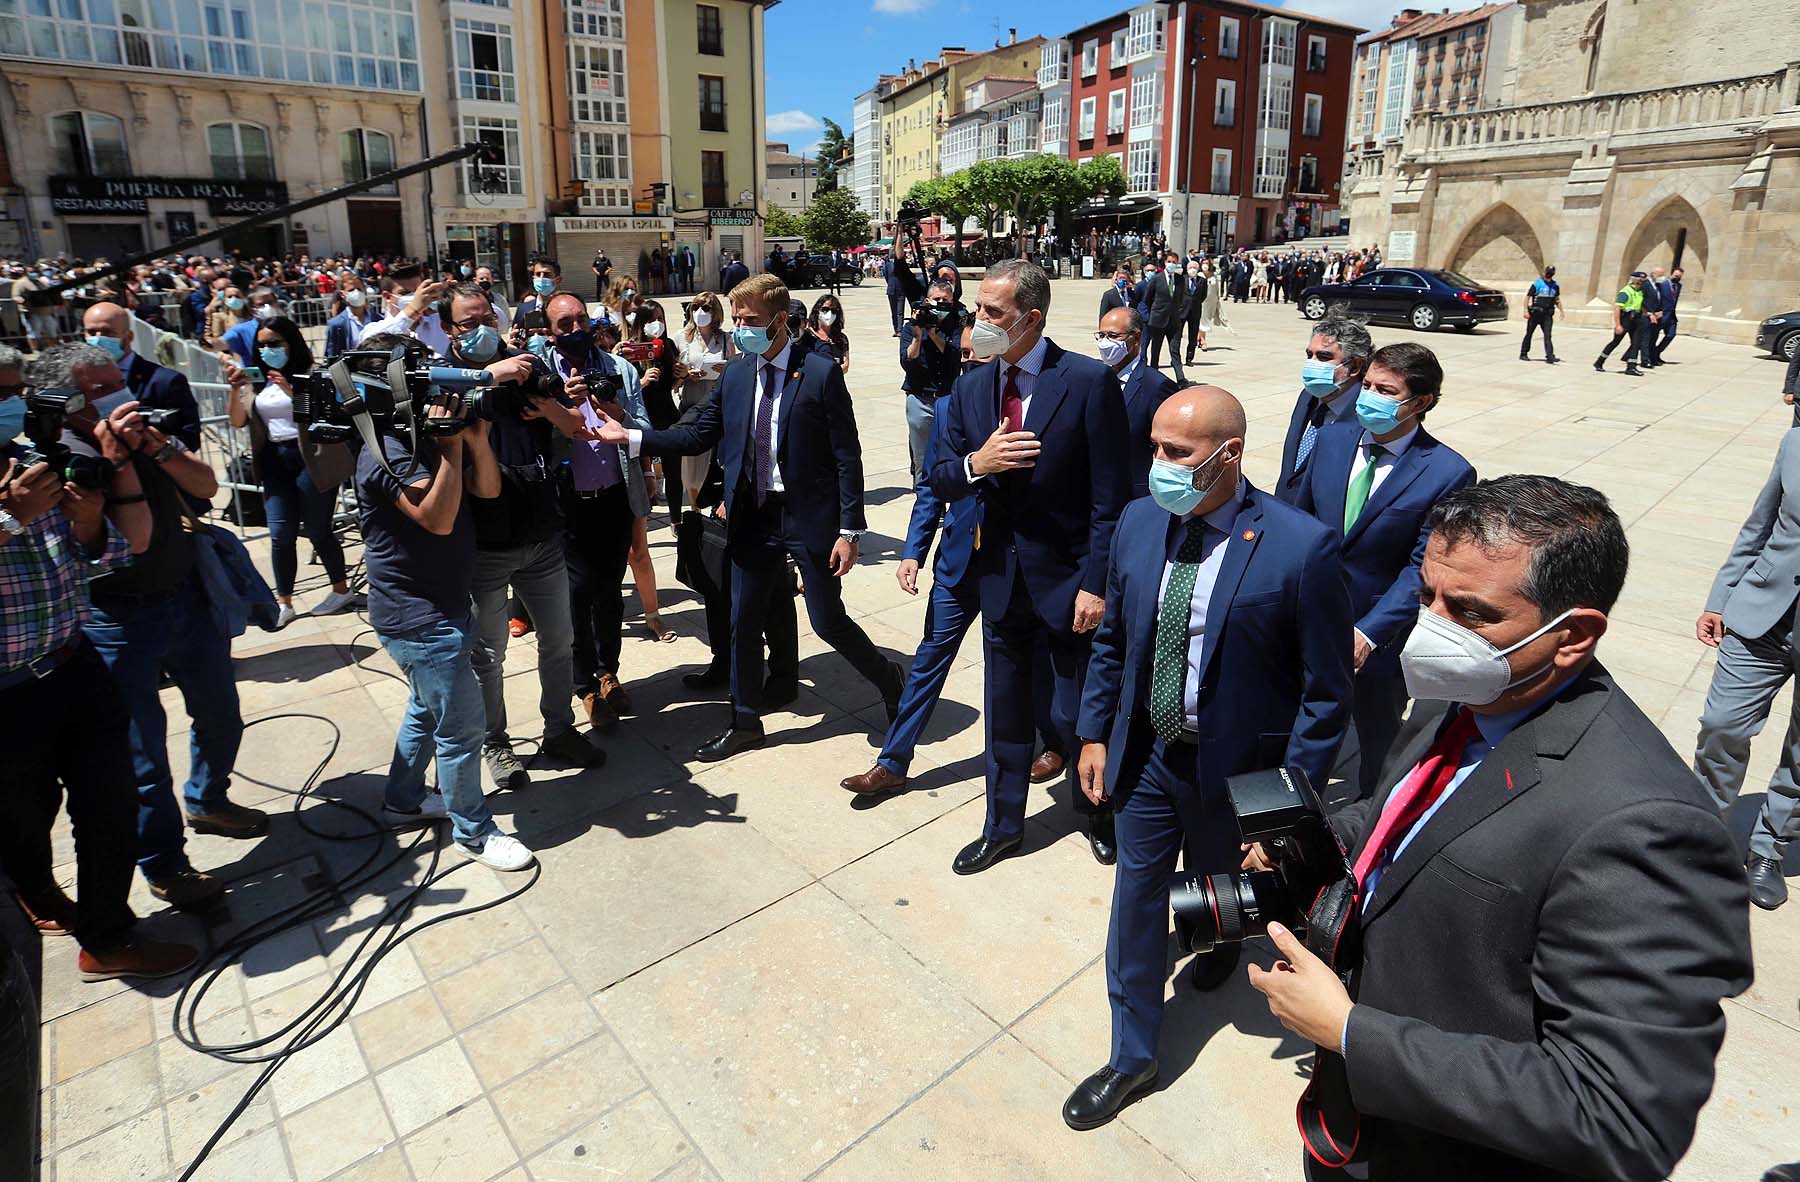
{"x":1631,"y":299}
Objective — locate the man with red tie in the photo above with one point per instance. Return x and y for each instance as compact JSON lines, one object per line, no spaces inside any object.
{"x":1550,"y":910}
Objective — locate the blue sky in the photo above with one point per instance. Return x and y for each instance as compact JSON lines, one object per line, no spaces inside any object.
{"x":823,"y":53}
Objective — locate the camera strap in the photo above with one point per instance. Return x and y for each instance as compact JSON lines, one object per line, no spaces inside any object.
{"x":1329,"y":1125}
{"x":358,"y":409}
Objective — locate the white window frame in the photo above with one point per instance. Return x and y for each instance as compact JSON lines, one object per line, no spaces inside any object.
{"x":1230,"y":37}
{"x":1271,"y":170}
{"x":1225,"y":89}
{"x":1277,"y":103}
{"x":1090,"y":57}
{"x":596,"y":149}
{"x":600,"y":20}
{"x":90,"y":162}
{"x":512,"y":166}
{"x":1323,"y":54}
{"x":597,"y":83}
{"x":1116,"y":50}
{"x":1144,"y":33}
{"x":1221,"y":165}
{"x":1116,"y":101}
{"x":1056,"y":122}
{"x":1146,"y":99}
{"x":1279,"y":37}
{"x":240,"y":161}
{"x":1086,"y":127}
{"x":1053,"y":64}
{"x":1141,"y":166}
{"x":1300,"y":173}
{"x":1312,"y":118}
{"x":483,"y":85}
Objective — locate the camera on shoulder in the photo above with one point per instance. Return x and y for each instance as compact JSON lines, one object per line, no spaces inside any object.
{"x":46,"y":414}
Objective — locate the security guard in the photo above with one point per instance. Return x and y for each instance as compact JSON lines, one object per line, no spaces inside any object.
{"x":1628,"y":321}
{"x":1543,"y":303}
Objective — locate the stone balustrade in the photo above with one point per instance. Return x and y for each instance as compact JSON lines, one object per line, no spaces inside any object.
{"x":1723,"y":103}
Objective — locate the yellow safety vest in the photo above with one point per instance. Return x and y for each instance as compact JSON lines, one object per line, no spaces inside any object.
{"x":1631,"y":299}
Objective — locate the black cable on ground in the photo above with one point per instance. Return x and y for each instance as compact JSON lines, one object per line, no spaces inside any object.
{"x":339,"y":997}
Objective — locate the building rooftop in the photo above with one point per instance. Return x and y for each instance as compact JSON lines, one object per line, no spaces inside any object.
{"x":1430,"y":24}
{"x":1252,"y":5}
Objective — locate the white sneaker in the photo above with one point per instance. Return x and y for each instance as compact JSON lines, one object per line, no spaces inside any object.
{"x":500,"y":851}
{"x":285,"y":616}
{"x":430,"y":810}
{"x":337,"y":601}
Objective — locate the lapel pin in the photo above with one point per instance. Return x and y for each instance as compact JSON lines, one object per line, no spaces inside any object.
{"x":1509,"y":783}
{"x":1249,"y":535}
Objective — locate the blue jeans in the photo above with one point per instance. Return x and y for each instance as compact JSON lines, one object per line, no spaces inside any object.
{"x":445,"y":717}
{"x":292,"y":504}
{"x":139,"y":638}
{"x":948,"y":614}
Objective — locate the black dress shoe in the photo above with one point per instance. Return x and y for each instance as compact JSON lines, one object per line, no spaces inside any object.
{"x":1101,"y":839}
{"x":715,"y":676}
{"x":779,"y":692}
{"x":981,"y":853}
{"x":1768,"y":889}
{"x":1098,"y":1098}
{"x":728,"y":743}
{"x":890,"y":694}
{"x":1213,"y":969}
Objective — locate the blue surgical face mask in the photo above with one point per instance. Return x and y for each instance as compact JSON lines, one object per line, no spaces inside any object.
{"x":105,"y":404}
{"x":536,"y":342}
{"x":1378,"y":413}
{"x":1318,"y":378}
{"x":479,"y":345}
{"x":1173,"y":485}
{"x":115,"y":348}
{"x":750,"y":338}
{"x":12,"y":417}
{"x":273,"y":356}
{"x":543,"y":285}
{"x":235,"y":303}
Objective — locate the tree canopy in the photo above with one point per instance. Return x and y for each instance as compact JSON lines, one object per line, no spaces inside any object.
{"x":779,"y":223}
{"x":1032,"y":189}
{"x":831,"y":147}
{"x":834,"y":220}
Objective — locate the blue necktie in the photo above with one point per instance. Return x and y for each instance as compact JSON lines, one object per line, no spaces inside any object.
{"x":765,"y":437}
{"x":1311,"y":435}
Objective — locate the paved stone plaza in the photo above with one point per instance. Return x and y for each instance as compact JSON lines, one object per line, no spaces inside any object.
{"x":737,"y":972}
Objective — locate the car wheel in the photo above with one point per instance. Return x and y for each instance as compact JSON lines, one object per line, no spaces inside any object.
{"x":1787,"y":346}
{"x":1313,"y":308}
{"x":1424,"y":317}
{"x":856,"y":278}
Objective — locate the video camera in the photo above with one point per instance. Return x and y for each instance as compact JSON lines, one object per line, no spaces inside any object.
{"x":46,"y":412}
{"x":1312,"y":889}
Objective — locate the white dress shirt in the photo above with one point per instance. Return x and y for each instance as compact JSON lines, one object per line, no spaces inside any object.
{"x":428,"y":330}
{"x":1028,"y":368}
{"x":1391,"y":451}
{"x":1219,"y":524}
{"x":778,"y":363}
{"x":1130,"y":368}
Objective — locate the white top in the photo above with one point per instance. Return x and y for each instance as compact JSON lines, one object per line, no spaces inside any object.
{"x":775,"y":382}
{"x":276,"y":409}
{"x":707,"y":362}
{"x":1390,"y":452}
{"x":427,"y":330}
{"x":1218,"y":530}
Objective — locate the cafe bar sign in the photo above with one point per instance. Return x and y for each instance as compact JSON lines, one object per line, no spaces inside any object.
{"x":94,"y":194}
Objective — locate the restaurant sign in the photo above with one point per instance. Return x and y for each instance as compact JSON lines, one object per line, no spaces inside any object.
{"x":94,"y":194}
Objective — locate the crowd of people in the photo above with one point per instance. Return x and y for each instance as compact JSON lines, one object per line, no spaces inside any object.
{"x":1514,"y":963}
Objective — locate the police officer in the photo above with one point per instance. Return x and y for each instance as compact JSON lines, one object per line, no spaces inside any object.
{"x":1628,"y":321}
{"x":1543,"y":303}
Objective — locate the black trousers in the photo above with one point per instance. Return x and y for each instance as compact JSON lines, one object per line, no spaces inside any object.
{"x":1630,"y":325}
{"x":1535,"y":319}
{"x":1193,"y":335}
{"x":1170,"y":333}
{"x":761,"y":541}
{"x":781,"y":628}
{"x":68,"y":733}
{"x":597,"y":531}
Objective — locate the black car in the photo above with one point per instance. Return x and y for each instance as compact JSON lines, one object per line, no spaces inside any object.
{"x":1423,"y":299}
{"x":1780,"y":335}
{"x":814,"y":270}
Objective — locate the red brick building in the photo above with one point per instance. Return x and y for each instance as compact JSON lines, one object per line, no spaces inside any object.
{"x":1227,"y":117}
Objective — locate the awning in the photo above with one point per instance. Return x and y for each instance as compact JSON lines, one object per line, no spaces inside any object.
{"x":1121,"y":207}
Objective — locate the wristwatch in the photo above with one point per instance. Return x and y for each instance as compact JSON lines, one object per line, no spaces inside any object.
{"x":171,"y":449}
{"x":853,"y":536}
{"x":11,"y":524}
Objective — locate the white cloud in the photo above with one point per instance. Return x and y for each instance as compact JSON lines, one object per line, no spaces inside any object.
{"x":791,"y":122}
{"x":1368,"y":14}
{"x":901,"y":7}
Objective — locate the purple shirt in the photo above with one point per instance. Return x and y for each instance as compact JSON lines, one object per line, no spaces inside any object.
{"x":594,"y":465}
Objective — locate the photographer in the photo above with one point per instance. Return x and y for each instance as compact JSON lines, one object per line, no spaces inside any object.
{"x":419,"y":548}
{"x":416,"y":303}
{"x":1551,"y":911}
{"x":518,"y":542}
{"x":300,"y":477}
{"x":152,"y":619}
{"x":604,"y":496}
{"x":930,"y":364}
{"x":63,"y":725}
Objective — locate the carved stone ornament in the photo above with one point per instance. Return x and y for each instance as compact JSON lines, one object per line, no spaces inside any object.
{"x":140,"y":105}
{"x":21,"y":95}
{"x":283,"y":117}
{"x":184,"y":108}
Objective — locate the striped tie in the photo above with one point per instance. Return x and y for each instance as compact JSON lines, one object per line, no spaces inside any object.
{"x":1168,"y":668}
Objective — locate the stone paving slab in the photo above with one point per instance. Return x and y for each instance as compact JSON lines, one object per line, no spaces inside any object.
{"x":737,"y":971}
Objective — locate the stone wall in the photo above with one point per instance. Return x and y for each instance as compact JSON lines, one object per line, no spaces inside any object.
{"x":1644,"y":44}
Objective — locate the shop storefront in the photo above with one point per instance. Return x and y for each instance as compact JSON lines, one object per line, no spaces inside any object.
{"x":113,"y":217}
{"x":626,"y":240}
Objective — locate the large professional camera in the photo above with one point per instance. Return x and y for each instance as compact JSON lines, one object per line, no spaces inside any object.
{"x":394,"y":388}
{"x":1312,"y":889}
{"x":910,"y":213}
{"x":46,"y":411}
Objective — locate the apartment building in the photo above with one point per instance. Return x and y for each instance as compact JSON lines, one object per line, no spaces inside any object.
{"x":999,"y":120}
{"x":865,"y":144}
{"x":792,"y":179}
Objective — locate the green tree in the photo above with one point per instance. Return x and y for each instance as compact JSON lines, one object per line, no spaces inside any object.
{"x":950,"y":197}
{"x":831,"y":148}
{"x":990,"y":192}
{"x":1102,"y":177}
{"x":779,"y":223}
{"x":835,"y":221}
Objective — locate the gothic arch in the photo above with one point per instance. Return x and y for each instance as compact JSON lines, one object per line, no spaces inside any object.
{"x":1673,"y":225}
{"x":1499,"y":247}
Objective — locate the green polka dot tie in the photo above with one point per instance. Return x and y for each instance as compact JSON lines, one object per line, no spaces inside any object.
{"x":1168,"y":671}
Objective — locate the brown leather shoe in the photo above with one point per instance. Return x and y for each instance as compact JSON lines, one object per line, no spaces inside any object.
{"x":1047,"y":766}
{"x":51,"y":912}
{"x":599,"y":712}
{"x":614,"y":695}
{"x":230,"y":820}
{"x":140,"y":958}
{"x":188,"y":889}
{"x":876,"y":779}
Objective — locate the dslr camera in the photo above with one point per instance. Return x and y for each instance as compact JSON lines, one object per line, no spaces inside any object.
{"x":46,"y":412}
{"x":1312,"y":889}
{"x":910,"y":213}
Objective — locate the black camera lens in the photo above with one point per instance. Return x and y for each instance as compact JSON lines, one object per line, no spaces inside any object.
{"x":1214,"y":909}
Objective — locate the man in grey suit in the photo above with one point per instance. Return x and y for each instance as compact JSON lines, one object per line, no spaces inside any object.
{"x":1749,"y":618}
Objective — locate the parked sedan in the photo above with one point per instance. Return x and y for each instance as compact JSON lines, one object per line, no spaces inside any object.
{"x":1423,"y":299}
{"x":1780,"y":335}
{"x":814,"y":270}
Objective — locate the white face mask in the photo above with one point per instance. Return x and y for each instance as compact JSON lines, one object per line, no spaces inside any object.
{"x":265,"y":311}
{"x":1112,"y":352}
{"x":653,"y":329}
{"x":828,"y":318}
{"x":702,"y":319}
{"x":1446,"y":662}
{"x":355,"y":297}
{"x":988,"y":340}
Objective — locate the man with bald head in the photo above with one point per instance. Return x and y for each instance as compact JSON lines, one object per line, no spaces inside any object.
{"x":154,"y":387}
{"x":1225,"y":648}
{"x":1120,"y":339}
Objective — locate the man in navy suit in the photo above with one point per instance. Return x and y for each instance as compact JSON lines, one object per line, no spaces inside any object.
{"x":1143,"y":386}
{"x":1040,"y":440}
{"x":1337,"y":355}
{"x":786,"y":438}
{"x":1120,"y":295}
{"x":153,"y":386}
{"x":1376,"y":481}
{"x":1225,"y":649}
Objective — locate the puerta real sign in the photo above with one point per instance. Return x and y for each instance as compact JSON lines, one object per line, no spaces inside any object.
{"x":95,"y":194}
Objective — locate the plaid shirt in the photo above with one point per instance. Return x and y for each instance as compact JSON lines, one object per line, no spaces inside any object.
{"x":44,"y":576}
